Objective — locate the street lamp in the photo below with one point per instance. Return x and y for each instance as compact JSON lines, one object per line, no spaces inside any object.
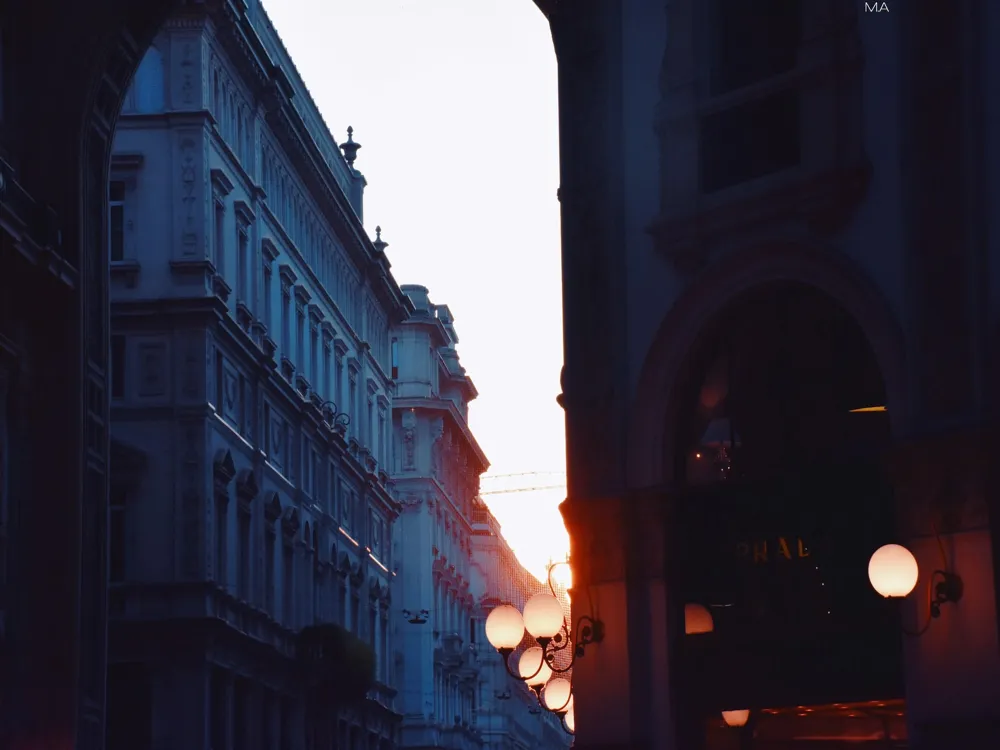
{"x":334,"y":417}
{"x":544,"y":621}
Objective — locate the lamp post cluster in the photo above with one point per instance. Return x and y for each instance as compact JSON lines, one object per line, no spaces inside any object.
{"x":538,"y":666}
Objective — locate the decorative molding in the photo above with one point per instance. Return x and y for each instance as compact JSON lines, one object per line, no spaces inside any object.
{"x":272,"y":510}
{"x":246,"y":489}
{"x":223,"y":471}
{"x":302,"y":295}
{"x":288,"y":276}
{"x":244,"y":214}
{"x":221,"y":184}
{"x":290,"y":523}
{"x":269,"y":251}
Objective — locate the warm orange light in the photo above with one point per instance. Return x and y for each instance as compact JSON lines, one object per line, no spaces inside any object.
{"x":736,"y":718}
{"x":868,"y":410}
{"x":697,"y":619}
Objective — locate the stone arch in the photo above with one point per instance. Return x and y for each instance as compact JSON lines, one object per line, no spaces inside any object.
{"x":669,"y":360}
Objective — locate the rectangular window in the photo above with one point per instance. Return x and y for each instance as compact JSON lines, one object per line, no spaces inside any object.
{"x":472,"y":630}
{"x":752,"y":41}
{"x":286,"y":323}
{"x":749,"y":141}
{"x":244,"y":552}
{"x":266,"y":291}
{"x":314,"y":356}
{"x":342,"y":606}
{"x":354,"y":404}
{"x":243,"y":267}
{"x":300,"y":338}
{"x":327,"y":374}
{"x":116,"y":220}
{"x":269,"y":563}
{"x":394,"y":356}
{"x":220,"y":382}
{"x":266,"y":437}
{"x":355,"y":615}
{"x":117,"y":367}
{"x":288,"y":569}
{"x":338,"y":387}
{"x":221,"y":531}
{"x":382,"y":453}
{"x":370,"y":428}
{"x":219,"y":238}
{"x":219,"y":708}
{"x":307,"y":477}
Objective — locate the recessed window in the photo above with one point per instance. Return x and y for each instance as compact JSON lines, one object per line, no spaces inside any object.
{"x":752,"y":40}
{"x":116,"y":220}
{"x":749,"y":141}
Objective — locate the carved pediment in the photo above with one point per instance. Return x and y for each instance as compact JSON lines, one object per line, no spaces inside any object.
{"x":290,"y":522}
{"x":272,"y":508}
{"x":374,"y":589}
{"x":357,"y":574}
{"x":344,"y":564}
{"x":223,"y":469}
{"x":246,"y":485}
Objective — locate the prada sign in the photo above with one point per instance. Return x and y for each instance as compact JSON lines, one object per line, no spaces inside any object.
{"x":761,"y":551}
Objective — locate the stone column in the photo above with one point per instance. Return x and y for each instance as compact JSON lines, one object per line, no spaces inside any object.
{"x":946,"y":492}
{"x":622,"y":685}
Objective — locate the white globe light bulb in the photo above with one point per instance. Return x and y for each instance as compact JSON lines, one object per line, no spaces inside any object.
{"x":543,"y":615}
{"x":532,"y":667}
{"x":893,"y":571}
{"x":569,"y":719}
{"x":504,"y":627}
{"x":557,"y":694}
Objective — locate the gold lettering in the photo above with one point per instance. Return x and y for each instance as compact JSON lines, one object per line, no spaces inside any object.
{"x":760,"y":552}
{"x":783,"y":548}
{"x":803,"y":550}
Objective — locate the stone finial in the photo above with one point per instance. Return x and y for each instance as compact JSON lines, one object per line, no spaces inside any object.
{"x":379,"y":243}
{"x":350,"y":148}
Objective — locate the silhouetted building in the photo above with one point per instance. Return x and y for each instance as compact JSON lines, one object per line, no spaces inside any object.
{"x":780,"y":321}
{"x":818,"y":178}
{"x":251,"y":426}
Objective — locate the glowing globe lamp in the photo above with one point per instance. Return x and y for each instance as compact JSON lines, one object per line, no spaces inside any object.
{"x":697,"y":619}
{"x":504,"y":627}
{"x":893,"y":571}
{"x":532,"y":667}
{"x":557,"y":695}
{"x":543,"y":615}
{"x":736,"y":718}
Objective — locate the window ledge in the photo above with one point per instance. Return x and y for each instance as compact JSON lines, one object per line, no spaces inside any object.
{"x":126,"y":270}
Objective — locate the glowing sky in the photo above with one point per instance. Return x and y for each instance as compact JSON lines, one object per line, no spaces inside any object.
{"x":454,"y":103}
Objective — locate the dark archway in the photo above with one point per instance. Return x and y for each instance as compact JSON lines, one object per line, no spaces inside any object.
{"x":672,"y":358}
{"x":780,"y":497}
{"x":783,"y":381}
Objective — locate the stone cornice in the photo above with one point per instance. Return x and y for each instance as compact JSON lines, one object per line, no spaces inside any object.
{"x":269,"y":250}
{"x":444,"y":407}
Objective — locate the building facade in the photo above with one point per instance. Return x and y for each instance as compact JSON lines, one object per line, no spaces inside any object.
{"x":251,"y":426}
{"x":451,"y":693}
{"x":438,"y":464}
{"x":510,"y":717}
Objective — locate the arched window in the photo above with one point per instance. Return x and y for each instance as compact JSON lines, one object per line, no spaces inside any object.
{"x":785,"y":381}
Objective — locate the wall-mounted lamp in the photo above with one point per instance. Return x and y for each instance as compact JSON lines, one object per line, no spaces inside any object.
{"x":737,"y":718}
{"x":337,"y":419}
{"x":416,"y":618}
{"x":504,"y":696}
{"x":697,"y":619}
{"x":544,"y":621}
{"x":893,"y":572}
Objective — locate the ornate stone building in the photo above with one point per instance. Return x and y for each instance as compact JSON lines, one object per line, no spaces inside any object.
{"x":251,"y":429}
{"x":438,"y":464}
